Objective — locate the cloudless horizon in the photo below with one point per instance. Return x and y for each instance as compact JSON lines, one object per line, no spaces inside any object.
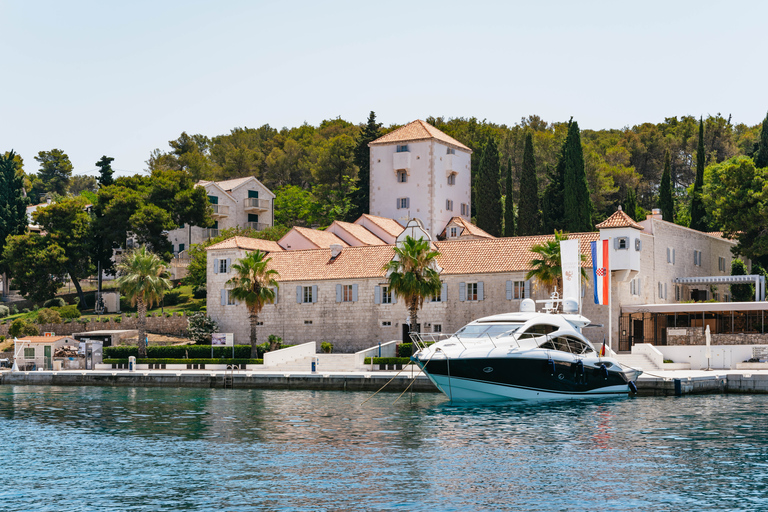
{"x":122,"y":79}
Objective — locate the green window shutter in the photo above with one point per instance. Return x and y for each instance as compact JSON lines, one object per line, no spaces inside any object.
{"x":253,"y":217}
{"x":213,"y":199}
{"x":253,"y":193}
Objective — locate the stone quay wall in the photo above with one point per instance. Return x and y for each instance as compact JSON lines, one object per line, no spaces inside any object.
{"x":690,"y":336}
{"x":171,"y":325}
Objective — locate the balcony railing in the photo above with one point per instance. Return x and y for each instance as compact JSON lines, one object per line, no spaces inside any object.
{"x":253,"y":203}
{"x":210,"y":233}
{"x":220,"y":210}
{"x":258,"y":226}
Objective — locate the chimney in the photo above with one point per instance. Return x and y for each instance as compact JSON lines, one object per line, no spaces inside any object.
{"x":655,"y":214}
{"x":335,"y":250}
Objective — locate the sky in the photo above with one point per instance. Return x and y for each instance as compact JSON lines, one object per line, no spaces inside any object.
{"x":121,"y":79}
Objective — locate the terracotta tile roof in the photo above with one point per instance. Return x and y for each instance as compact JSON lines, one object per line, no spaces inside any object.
{"x":247,"y":243}
{"x":469,"y":228}
{"x":233,"y":184}
{"x":619,"y":220}
{"x":500,"y":254}
{"x":360,"y":233}
{"x":416,"y":131}
{"x":456,"y":257}
{"x":718,"y":234}
{"x":317,"y":264}
{"x":322,"y":239}
{"x":45,"y":339}
{"x":390,"y":226}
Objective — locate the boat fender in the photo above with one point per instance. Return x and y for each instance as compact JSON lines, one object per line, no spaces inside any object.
{"x":632,"y":387}
{"x":551,"y":366}
{"x":580,"y":371}
{"x":604,"y":370}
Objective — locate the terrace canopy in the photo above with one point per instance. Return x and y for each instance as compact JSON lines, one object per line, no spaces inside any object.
{"x":758,"y":281}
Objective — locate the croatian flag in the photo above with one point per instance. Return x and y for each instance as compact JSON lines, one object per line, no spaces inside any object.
{"x":600,"y":275}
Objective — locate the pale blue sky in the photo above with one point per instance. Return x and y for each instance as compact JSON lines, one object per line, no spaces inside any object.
{"x":121,"y":79}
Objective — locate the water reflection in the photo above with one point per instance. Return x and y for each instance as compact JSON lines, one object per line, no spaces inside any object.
{"x":211,"y":449}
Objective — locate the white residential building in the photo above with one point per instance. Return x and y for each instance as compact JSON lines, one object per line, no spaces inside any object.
{"x":243,"y":202}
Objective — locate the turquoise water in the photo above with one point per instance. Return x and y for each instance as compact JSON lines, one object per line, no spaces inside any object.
{"x":94,"y":448}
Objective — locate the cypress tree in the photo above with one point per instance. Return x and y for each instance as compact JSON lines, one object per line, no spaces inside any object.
{"x":577,"y":203}
{"x":362,"y":158}
{"x":105,"y":170}
{"x":528,"y":210}
{"x":666,"y":198}
{"x":489,"y":212}
{"x":13,"y":205}
{"x":509,"y":206}
{"x":741,"y":292}
{"x":552,"y":205}
{"x":697,"y":205}
{"x":761,"y":156}
{"x":630,"y":204}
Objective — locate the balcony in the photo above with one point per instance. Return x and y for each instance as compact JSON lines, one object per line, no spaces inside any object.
{"x":448,"y":162}
{"x":210,"y":233}
{"x":253,"y":204}
{"x":401,"y":160}
{"x":258,"y":226}
{"x":220,"y":211}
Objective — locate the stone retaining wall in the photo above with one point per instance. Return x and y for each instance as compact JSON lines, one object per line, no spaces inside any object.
{"x":172,"y":326}
{"x":696,"y":336}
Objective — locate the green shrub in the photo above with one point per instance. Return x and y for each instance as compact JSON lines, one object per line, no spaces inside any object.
{"x":173,"y":298}
{"x":25,"y":310}
{"x":48,"y":316}
{"x":4,"y":311}
{"x":326,"y":347}
{"x":69,"y":311}
{"x":14,"y":309}
{"x":405,"y":350}
{"x":118,"y":319}
{"x":21,"y":327}
{"x":186,"y":361}
{"x":199,"y":328}
{"x":56,"y":302}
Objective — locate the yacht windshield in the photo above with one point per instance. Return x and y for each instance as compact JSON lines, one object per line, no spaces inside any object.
{"x":483,"y":330}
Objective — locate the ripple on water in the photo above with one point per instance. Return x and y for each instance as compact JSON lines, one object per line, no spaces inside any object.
{"x":202,"y":449}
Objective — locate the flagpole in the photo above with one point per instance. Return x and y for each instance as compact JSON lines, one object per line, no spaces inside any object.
{"x":610,"y":305}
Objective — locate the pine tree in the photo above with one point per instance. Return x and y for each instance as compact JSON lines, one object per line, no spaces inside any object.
{"x":362,"y":158}
{"x":761,"y":156}
{"x":697,"y":205}
{"x":528,"y":221}
{"x":630,"y":204}
{"x":13,"y":204}
{"x":577,"y":203}
{"x":666,"y":199}
{"x":509,"y":206}
{"x":489,"y":212}
{"x":105,"y":170}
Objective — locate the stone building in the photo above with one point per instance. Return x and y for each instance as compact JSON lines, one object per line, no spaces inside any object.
{"x":339,"y":294}
{"x":417,"y":171}
{"x":243,"y":202}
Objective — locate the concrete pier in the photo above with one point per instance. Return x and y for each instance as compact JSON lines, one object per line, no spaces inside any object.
{"x":243,"y":379}
{"x":658,"y":383}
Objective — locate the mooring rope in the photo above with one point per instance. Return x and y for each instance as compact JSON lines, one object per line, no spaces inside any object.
{"x":393,"y":378}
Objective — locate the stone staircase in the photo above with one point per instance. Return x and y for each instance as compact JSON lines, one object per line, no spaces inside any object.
{"x":640,"y":361}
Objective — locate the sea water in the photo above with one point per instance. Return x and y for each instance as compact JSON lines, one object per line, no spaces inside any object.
{"x":103,"y":448}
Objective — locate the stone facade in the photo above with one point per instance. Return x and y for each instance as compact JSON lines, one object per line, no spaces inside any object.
{"x":696,"y":336}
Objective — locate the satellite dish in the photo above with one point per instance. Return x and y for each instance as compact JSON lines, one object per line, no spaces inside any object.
{"x":570,"y":305}
{"x":527,"y":306}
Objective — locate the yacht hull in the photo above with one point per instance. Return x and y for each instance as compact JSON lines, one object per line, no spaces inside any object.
{"x":500,"y":379}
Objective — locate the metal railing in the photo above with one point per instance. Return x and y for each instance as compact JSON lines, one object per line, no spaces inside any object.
{"x":253,"y":202}
{"x":258,"y":226}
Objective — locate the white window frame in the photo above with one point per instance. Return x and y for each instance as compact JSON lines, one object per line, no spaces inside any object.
{"x":471,"y":296}
{"x":437,"y":327}
{"x":402,"y":176}
{"x":223,"y":266}
{"x":306,"y":295}
{"x":230,"y":300}
{"x":386,"y":295}
{"x":518,"y":290}
{"x":402,"y":148}
{"x":721,"y":264}
{"x":347,"y":293}
{"x":403,"y":203}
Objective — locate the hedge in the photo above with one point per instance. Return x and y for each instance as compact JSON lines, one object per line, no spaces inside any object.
{"x":388,"y":360}
{"x":179,"y":352}
{"x":161,"y":360}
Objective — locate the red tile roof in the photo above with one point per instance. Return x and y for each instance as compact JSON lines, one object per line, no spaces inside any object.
{"x":619,"y":220}
{"x":360,"y":233}
{"x":322,"y":239}
{"x":390,"y":226}
{"x":417,"y":131}
{"x":247,"y":243}
{"x":469,"y":228}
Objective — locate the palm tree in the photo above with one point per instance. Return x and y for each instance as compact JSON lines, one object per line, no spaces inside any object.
{"x":143,"y":281}
{"x":412,"y":274}
{"x":254,"y":284}
{"x":546,"y":268}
